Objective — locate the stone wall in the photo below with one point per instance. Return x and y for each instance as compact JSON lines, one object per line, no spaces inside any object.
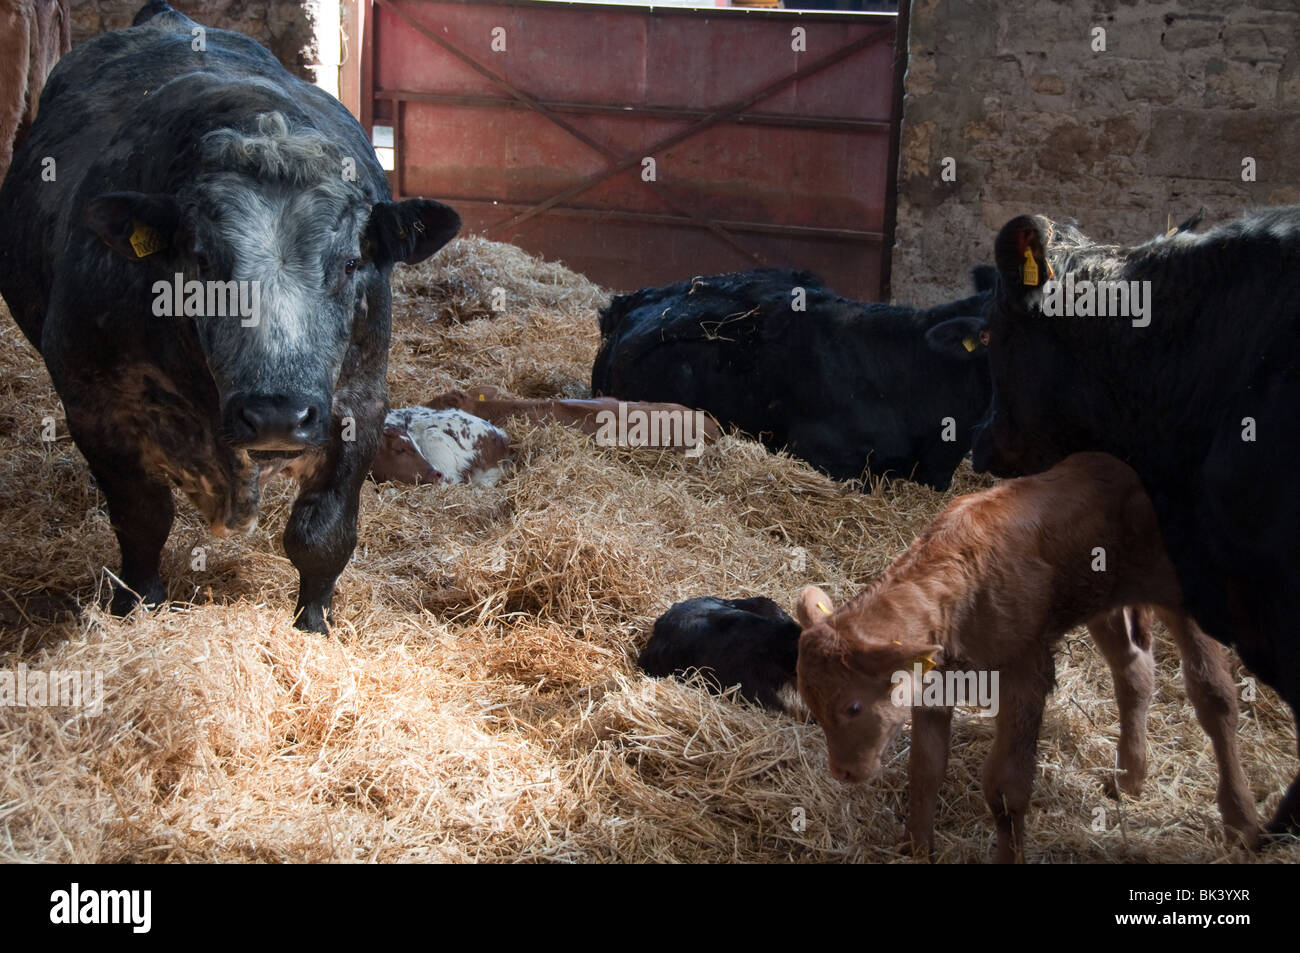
{"x":1157,"y":125}
{"x":282,"y":26}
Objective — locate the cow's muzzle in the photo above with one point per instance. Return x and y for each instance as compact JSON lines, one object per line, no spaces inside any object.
{"x":275,"y":422}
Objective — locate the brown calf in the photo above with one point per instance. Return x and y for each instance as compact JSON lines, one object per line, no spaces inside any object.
{"x":581,"y":415}
{"x":33,"y":35}
{"x":989,"y":587}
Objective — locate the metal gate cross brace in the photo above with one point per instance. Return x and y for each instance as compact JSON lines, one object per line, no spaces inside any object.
{"x":618,"y":164}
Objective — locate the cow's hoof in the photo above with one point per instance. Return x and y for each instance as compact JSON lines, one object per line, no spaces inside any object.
{"x":150,"y":594}
{"x":1247,"y":838}
{"x":1123,"y":782}
{"x":311,"y":618}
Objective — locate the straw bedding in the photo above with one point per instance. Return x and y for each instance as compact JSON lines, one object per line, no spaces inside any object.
{"x":479,"y":699}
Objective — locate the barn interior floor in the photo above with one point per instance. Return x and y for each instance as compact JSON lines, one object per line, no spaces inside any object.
{"x":478,"y":699}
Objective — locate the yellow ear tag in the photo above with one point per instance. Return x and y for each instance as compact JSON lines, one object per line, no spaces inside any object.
{"x":1029,"y":275}
{"x":968,"y":344}
{"x":145,"y":240}
{"x":926,"y":661}
{"x":822,"y":606}
{"x":481,"y":397}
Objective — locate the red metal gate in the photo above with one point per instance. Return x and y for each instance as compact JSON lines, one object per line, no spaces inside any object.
{"x":645,"y":145}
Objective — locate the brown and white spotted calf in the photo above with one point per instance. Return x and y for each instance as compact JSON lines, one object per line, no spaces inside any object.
{"x":585,"y":415}
{"x":440,"y":446}
{"x":989,"y":587}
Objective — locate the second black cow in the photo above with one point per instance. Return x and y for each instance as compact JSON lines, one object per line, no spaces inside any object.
{"x":850,"y":387}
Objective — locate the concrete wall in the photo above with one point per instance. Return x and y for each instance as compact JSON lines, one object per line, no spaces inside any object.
{"x":282,"y":26}
{"x":1157,"y":125}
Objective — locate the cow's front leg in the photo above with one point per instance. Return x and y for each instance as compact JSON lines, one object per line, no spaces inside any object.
{"x":1009,"y":768}
{"x":928,"y":762}
{"x":319,"y":540}
{"x":141,"y":510}
{"x":322,"y":529}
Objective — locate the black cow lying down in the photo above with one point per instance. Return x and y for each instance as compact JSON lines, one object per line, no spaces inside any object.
{"x":1193,"y":380}
{"x":850,"y":387}
{"x":207,"y":280}
{"x":747,"y":642}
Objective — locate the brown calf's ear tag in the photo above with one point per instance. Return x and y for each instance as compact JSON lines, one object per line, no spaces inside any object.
{"x":1029,"y":274}
{"x":926,"y":660}
{"x":145,"y":240}
{"x":824,"y":607}
{"x":481,"y":397}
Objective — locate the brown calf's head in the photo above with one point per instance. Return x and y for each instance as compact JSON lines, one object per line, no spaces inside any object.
{"x":400,"y":461}
{"x":850,"y":682}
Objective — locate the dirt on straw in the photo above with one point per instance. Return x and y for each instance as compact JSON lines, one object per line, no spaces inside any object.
{"x":479,"y":699}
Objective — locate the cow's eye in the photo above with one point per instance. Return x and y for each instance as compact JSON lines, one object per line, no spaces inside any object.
{"x":350,"y":266}
{"x":854,"y":709}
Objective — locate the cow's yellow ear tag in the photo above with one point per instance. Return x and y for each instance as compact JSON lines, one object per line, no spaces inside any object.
{"x":926,"y":661}
{"x":481,"y":397}
{"x":146,"y":240}
{"x":968,"y":343}
{"x":1029,"y":274}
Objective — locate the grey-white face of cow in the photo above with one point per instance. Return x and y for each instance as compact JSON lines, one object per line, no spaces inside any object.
{"x":286,"y":252}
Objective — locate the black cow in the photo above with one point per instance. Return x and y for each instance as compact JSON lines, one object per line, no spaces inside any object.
{"x":199,"y":245}
{"x":747,"y":642}
{"x":847,"y":386}
{"x":1199,"y":395}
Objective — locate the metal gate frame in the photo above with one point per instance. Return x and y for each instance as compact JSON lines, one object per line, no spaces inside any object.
{"x":738,"y":110}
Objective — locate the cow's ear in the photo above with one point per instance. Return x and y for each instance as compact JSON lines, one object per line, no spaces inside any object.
{"x":133,"y":224}
{"x":408,"y":231}
{"x":814,"y":606}
{"x":959,"y":339}
{"x":1021,"y":254}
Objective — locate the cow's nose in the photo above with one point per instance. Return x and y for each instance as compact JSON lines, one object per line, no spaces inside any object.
{"x":842,"y":774}
{"x":275,"y":423}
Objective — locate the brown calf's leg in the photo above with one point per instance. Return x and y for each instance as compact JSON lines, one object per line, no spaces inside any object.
{"x":1208,"y":678}
{"x":1124,"y":640}
{"x":1009,"y":769}
{"x":927,"y":762}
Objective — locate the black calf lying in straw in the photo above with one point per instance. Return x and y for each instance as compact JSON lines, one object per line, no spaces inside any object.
{"x":750,"y":642}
